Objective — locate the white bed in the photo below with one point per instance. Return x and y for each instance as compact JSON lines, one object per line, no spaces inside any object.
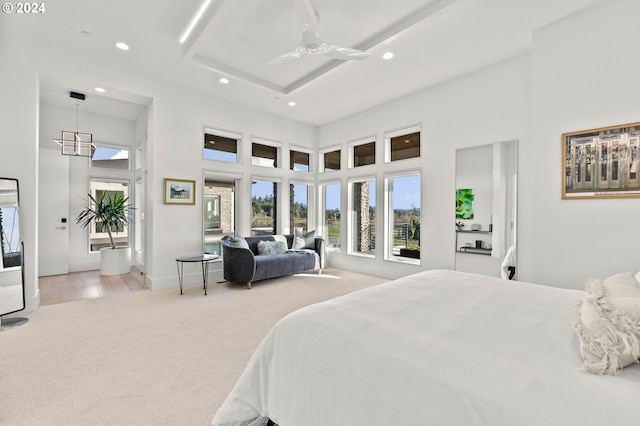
{"x":434,"y":348}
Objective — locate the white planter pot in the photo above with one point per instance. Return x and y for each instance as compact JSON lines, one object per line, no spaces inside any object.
{"x":115,"y":261}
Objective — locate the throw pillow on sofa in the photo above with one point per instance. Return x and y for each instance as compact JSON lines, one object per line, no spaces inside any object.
{"x":303,"y":241}
{"x":271,"y":247}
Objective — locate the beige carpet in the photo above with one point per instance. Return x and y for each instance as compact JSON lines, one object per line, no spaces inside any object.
{"x":147,"y":358}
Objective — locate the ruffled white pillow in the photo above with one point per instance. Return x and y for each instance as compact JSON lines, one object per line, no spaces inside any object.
{"x":607,"y":322}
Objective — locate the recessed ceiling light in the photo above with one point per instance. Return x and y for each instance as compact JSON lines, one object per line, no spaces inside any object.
{"x":122,"y":45}
{"x":99,"y":89}
{"x":387,"y":55}
{"x":224,"y":80}
{"x":291,"y":103}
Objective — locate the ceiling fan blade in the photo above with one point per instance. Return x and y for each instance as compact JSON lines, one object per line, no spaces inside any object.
{"x":346,"y":53}
{"x":307,"y":18}
{"x":294,"y":54}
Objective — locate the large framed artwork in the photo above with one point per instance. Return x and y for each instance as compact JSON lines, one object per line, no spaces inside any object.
{"x":177,"y":191}
{"x":601,"y":163}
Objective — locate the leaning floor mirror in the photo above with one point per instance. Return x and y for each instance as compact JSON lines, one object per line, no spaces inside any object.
{"x":486,"y":209}
{"x":12,"y":298}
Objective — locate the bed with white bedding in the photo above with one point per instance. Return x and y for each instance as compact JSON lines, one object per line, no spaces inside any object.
{"x":434,"y":348}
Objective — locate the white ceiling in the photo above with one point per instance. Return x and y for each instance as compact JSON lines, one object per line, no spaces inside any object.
{"x":433,"y":41}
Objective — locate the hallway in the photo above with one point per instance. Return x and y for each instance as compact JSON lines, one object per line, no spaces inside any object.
{"x":87,"y":285}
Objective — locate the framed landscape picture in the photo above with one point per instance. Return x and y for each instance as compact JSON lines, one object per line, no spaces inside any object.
{"x":601,"y":163}
{"x":177,"y":191}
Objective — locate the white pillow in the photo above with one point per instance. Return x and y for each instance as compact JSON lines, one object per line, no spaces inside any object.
{"x":303,"y":241}
{"x":607,"y":322}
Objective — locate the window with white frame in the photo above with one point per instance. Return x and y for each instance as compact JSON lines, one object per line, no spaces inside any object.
{"x":362,"y":212}
{"x":330,"y":160}
{"x":264,"y":153}
{"x":219,"y":210}
{"x":332,"y":211}
{"x":110,"y":156}
{"x":221,"y":145}
{"x":264,"y":207}
{"x":403,"y":216}
{"x":402,"y":144}
{"x":98,"y":234}
{"x":299,"y":203}
{"x":299,"y":160}
{"x":362,"y":152}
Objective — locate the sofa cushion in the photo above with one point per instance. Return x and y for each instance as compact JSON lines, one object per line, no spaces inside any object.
{"x":303,"y":241}
{"x":271,"y":247}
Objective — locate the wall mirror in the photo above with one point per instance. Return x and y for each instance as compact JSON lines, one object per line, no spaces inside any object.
{"x":12,"y":298}
{"x":486,"y":202}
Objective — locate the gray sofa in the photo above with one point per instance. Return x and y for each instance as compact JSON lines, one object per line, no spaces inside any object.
{"x":243,"y":263}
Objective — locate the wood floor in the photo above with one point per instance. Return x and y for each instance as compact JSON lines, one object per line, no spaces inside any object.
{"x":87,"y":285}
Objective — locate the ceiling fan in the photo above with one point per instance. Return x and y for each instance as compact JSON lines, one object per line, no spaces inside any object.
{"x":311,"y":43}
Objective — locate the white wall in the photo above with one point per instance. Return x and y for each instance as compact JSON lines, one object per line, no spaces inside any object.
{"x":492,"y":105}
{"x":585,"y":76}
{"x":19,"y":147}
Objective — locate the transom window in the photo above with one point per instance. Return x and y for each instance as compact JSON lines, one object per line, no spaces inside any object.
{"x":221,"y":145}
{"x":362,"y":152}
{"x":109,"y":156}
{"x":331,"y":161}
{"x":264,"y":153}
{"x":299,"y":160}
{"x":402,"y":144}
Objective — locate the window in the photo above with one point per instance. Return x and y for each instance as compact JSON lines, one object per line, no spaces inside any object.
{"x":403,"y":216}
{"x":110,"y":157}
{"x":330,"y":161}
{"x":98,"y":236}
{"x":402,"y":144}
{"x":264,"y":153}
{"x":299,"y":161}
{"x":363,"y":216}
{"x":299,"y":197}
{"x":362,"y":152}
{"x":221,"y":145}
{"x":218,"y":212}
{"x":332,"y":215}
{"x":264,"y":207}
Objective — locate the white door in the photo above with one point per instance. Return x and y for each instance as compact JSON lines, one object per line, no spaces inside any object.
{"x":53,"y":209}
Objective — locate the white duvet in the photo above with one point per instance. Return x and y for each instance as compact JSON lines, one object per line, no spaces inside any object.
{"x":435,"y":348}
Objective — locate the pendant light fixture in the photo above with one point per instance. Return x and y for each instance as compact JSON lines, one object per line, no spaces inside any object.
{"x":76,"y":144}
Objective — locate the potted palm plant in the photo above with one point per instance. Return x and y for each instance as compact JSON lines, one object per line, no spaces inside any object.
{"x":111,"y":212}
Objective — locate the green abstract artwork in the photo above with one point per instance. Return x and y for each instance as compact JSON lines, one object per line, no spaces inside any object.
{"x":464,"y":203}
